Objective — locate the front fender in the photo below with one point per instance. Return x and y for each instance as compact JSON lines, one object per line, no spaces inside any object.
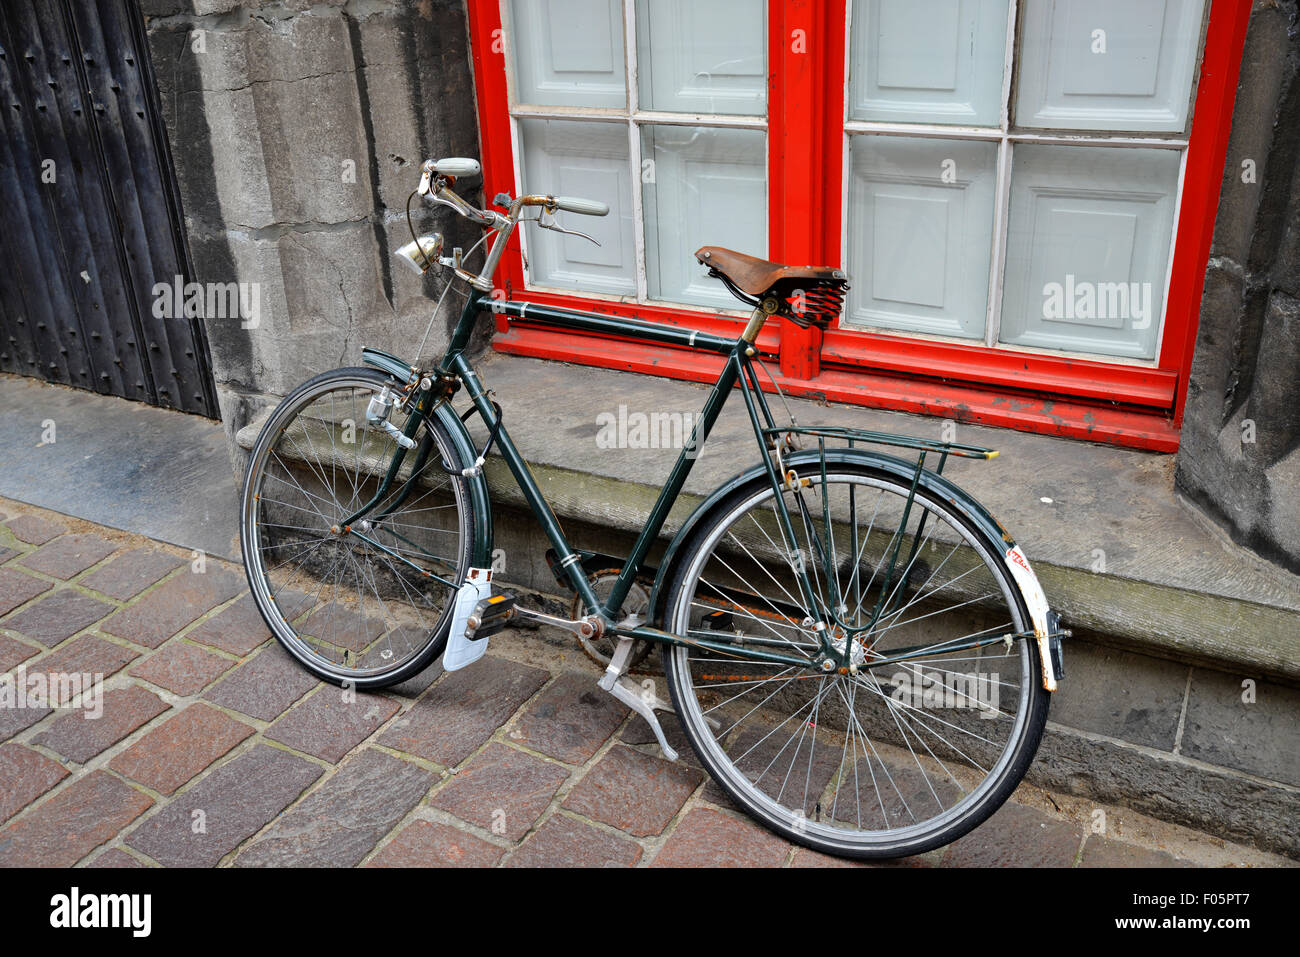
{"x":937,"y":485}
{"x":480,"y":501}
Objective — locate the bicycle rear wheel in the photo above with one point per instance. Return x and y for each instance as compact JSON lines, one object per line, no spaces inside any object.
{"x":893,"y":760}
{"x":356,"y":604}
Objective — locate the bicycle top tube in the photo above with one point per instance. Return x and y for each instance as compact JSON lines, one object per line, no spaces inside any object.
{"x":633,"y":328}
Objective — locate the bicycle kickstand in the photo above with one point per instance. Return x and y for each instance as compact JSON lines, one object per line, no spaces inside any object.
{"x":642,"y":700}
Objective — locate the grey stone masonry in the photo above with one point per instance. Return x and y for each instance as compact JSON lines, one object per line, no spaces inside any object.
{"x":1240,"y":454}
{"x":297,"y":133}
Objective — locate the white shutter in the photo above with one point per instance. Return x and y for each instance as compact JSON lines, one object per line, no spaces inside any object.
{"x":709,"y":189}
{"x":569,"y":53}
{"x":1088,"y":247}
{"x":1108,"y":64}
{"x":703,"y":57}
{"x":570,"y":158}
{"x":919,"y":246}
{"x":938,"y":61}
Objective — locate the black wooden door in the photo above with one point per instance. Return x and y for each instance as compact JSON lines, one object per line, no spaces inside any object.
{"x":90,"y":219}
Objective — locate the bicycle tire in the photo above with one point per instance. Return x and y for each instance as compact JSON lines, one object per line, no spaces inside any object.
{"x":423,"y":636}
{"x":831,"y":835}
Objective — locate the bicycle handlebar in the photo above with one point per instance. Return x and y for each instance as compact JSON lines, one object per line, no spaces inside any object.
{"x":572,"y":204}
{"x":439,"y":191}
{"x":457,"y":166}
{"x":587,"y":207}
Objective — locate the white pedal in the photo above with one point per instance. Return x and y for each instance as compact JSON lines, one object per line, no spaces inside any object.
{"x":461,"y":650}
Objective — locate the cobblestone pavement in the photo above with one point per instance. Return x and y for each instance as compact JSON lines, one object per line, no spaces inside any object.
{"x":213,"y":748}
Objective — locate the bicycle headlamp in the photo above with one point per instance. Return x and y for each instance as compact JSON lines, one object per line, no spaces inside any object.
{"x":431,"y":247}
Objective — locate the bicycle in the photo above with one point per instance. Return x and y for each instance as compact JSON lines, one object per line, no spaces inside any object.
{"x":857,"y":651}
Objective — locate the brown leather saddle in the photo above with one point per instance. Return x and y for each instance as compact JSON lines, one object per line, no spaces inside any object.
{"x":807,"y":295}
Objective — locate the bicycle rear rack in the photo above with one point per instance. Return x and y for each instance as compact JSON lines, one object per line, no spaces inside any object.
{"x":853,"y":436}
{"x":781,"y":442}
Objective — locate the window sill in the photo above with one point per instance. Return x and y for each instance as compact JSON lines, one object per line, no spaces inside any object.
{"x":1023,"y":411}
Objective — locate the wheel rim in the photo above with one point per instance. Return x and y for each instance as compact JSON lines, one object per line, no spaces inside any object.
{"x":863,"y":761}
{"x":341,"y":598}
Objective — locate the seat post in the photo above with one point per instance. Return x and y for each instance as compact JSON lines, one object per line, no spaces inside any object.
{"x":756,"y":320}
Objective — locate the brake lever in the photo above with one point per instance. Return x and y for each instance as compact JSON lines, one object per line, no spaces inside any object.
{"x":552,"y":225}
{"x":441,"y":194}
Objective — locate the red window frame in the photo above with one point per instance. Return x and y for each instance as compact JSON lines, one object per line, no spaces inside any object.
{"x":1135,"y":406}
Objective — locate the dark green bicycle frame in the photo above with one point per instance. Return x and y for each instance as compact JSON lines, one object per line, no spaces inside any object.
{"x":454,"y":362}
{"x":737,"y":370}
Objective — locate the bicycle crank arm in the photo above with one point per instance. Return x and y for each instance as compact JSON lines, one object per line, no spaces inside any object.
{"x":590,"y":627}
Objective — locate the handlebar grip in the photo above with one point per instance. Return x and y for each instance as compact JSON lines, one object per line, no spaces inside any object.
{"x":457,"y":166}
{"x":586,"y":207}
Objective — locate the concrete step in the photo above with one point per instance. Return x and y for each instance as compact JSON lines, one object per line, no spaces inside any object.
{"x":161,"y":473}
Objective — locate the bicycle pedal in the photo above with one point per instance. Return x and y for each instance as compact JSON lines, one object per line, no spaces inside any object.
{"x":490,"y":615}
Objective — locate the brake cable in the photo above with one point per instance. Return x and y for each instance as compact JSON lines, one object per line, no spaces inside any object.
{"x":493,"y":432}
{"x":411,"y":228}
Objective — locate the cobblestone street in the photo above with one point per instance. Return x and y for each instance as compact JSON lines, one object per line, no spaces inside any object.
{"x":213,"y":748}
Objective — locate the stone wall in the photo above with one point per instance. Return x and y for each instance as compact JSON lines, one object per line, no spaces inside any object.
{"x":297,"y":131}
{"x":1240,"y":454}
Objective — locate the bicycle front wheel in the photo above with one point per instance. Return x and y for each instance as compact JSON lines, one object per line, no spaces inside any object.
{"x":360,"y":602}
{"x":886,"y":760}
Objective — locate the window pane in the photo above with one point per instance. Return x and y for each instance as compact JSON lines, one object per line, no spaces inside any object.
{"x":705,"y":187}
{"x":920,"y":234}
{"x":935,"y":62}
{"x":569,"y":52}
{"x":702,"y":57}
{"x":1108,"y":64}
{"x":590,"y":160}
{"x":1087,"y":248}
